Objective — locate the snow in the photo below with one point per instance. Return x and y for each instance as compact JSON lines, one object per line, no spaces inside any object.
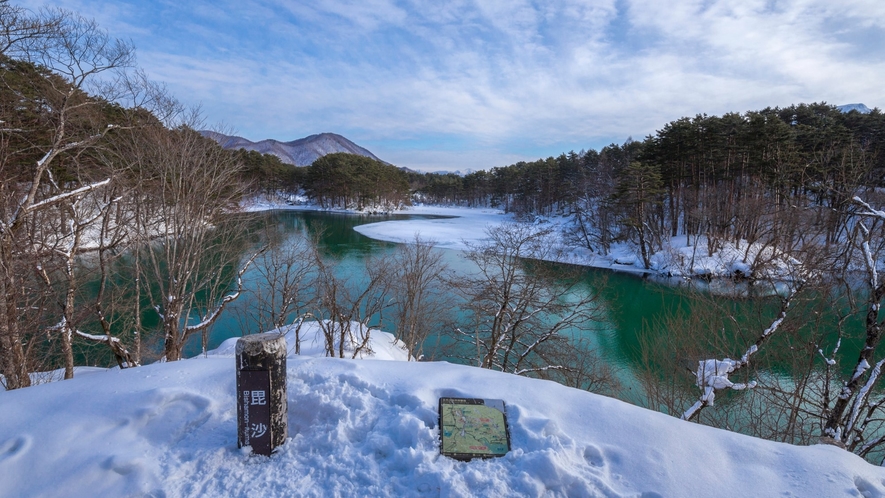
{"x":289,"y":202}
{"x":713,"y":374}
{"x":463,"y":226}
{"x":676,"y":259}
{"x":861,"y":108}
{"x":467,"y":226}
{"x":370,"y":428}
{"x":862,"y":367}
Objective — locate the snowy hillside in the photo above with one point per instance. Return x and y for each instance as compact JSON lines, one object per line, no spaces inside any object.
{"x":369,"y":428}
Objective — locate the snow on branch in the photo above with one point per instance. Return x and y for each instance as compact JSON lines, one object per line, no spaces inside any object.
{"x":225,"y":300}
{"x":42,"y":161}
{"x":868,"y":256}
{"x":540,"y":369}
{"x":862,"y":366}
{"x":861,"y":398}
{"x":97,"y":338}
{"x":124,"y":358}
{"x":712,"y":375}
{"x":73,"y":193}
{"x":832,"y":358}
{"x":875,"y":213}
{"x":869,"y":446}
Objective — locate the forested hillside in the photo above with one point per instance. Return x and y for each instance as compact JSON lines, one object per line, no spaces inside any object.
{"x":96,"y":157}
{"x":780,"y":176}
{"x":356,"y":182}
{"x":771,"y":175}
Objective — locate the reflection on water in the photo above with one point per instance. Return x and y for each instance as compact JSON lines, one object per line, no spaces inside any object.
{"x":634,"y":307}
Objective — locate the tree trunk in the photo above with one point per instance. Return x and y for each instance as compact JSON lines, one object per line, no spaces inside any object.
{"x":13,"y":364}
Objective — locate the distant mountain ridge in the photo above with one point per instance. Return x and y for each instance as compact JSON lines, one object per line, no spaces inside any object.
{"x":854,"y":107}
{"x":301,"y":152}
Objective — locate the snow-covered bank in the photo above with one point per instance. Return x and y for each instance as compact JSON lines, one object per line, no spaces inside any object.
{"x":467,"y":226}
{"x":676,"y":259}
{"x":460,"y":227}
{"x":292,"y":202}
{"x":369,"y":428}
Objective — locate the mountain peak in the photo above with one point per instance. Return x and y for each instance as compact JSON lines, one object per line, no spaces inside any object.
{"x":861,"y":108}
{"x":300,"y":152}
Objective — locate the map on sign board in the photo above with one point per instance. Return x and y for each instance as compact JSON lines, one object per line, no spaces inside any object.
{"x":473,"y":428}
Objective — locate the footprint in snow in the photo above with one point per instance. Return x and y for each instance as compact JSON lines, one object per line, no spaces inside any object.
{"x":171,"y":415}
{"x":594,"y":456}
{"x":12,"y":449}
{"x":868,"y":489}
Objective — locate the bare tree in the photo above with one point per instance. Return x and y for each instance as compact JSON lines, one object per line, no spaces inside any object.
{"x":284,"y":276}
{"x":46,"y":118}
{"x":519,"y":308}
{"x":420,"y":294}
{"x":21,"y":29}
{"x":189,"y":185}
{"x":70,"y":227}
{"x":854,"y":415}
{"x":821,"y":399}
{"x":115,"y":306}
{"x":713,"y":374}
{"x":347,"y":305}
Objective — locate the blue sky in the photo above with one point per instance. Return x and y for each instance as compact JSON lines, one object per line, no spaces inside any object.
{"x":461,"y":85}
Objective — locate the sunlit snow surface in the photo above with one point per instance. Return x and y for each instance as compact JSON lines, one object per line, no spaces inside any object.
{"x":369,"y":428}
{"x":468,"y":227}
{"x":462,"y":227}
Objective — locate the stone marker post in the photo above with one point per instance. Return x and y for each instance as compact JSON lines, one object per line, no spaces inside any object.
{"x":262,"y":420}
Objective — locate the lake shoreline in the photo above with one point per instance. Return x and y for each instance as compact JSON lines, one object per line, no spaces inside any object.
{"x":459,"y":228}
{"x":469,"y":229}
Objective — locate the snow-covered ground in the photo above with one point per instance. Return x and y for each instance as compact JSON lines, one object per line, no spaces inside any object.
{"x":462,"y":226}
{"x":677,"y":259}
{"x":467,"y":226}
{"x":370,"y":428}
{"x":262,"y":203}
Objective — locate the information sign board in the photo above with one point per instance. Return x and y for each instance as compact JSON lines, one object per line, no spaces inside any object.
{"x":473,"y":428}
{"x":253,"y":395}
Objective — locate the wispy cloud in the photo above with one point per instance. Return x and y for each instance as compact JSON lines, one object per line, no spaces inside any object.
{"x":510,"y":79}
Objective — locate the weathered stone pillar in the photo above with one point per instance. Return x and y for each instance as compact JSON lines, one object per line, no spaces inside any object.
{"x":262,"y":419}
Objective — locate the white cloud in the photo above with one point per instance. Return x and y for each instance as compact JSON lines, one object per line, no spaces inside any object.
{"x":498,"y":72}
{"x":448,"y":160}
